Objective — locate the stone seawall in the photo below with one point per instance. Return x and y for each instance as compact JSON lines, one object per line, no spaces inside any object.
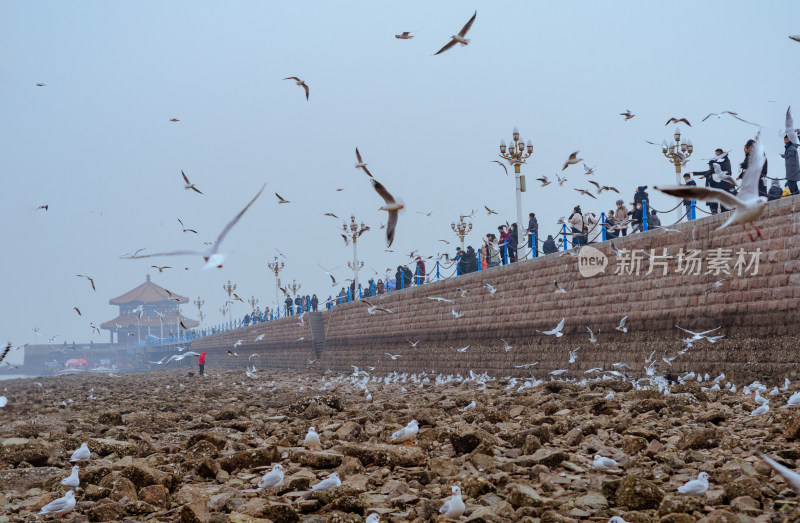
{"x":756,"y":313}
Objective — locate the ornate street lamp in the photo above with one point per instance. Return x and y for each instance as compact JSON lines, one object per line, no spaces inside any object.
{"x":677,"y":153}
{"x":461,"y":229}
{"x":276,"y":267}
{"x":253,"y":301}
{"x":516,"y":156}
{"x":354,"y":231}
{"x":229,"y":288}
{"x":199,"y":304}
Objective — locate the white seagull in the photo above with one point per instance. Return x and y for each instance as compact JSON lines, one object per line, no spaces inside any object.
{"x":695,"y":486}
{"x":361,"y":164}
{"x":591,"y":335}
{"x":506,"y":346}
{"x":329,"y":482}
{"x":391,"y":206}
{"x":407,"y":433}
{"x":603,"y":463}
{"x":82,"y":454}
{"x":556,"y":331}
{"x":299,"y":82}
{"x":791,"y":477}
{"x":273,"y":478}
{"x":747,"y":204}
{"x":72,"y":480}
{"x":212,"y":257}
{"x":454,"y":507}
{"x":312,"y":439}
{"x":60,"y":505}
{"x":460,"y":37}
{"x":621,"y":327}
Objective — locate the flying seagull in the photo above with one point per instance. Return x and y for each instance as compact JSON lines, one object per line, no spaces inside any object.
{"x":627,"y":114}
{"x":676,"y":120}
{"x":91,"y":280}
{"x":501,"y":164}
{"x":718,"y":115}
{"x":556,"y":331}
{"x":459,"y":38}
{"x":43,"y":85}
{"x":588,"y":170}
{"x":212,"y":257}
{"x":586,"y":193}
{"x":621,"y":327}
{"x":572,"y":160}
{"x":796,"y":38}
{"x":189,"y":185}
{"x":174,"y":120}
{"x":361,"y":164}
{"x":184,"y":227}
{"x":405,"y":35}
{"x":489,"y":211}
{"x":747,"y":204}
{"x":281,"y":199}
{"x":299,"y":82}
{"x":545,"y":181}
{"x":45,"y":207}
{"x":391,"y":206}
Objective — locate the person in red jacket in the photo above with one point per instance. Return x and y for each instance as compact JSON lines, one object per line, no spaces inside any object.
{"x":201,"y":361}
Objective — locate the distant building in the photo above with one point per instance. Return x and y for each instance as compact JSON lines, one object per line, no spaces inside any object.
{"x":149,"y":311}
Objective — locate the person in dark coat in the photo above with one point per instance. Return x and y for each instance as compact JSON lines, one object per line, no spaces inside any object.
{"x":775,"y":191}
{"x":762,"y":185}
{"x":513,"y":239}
{"x":636,"y":217}
{"x":640,"y":195}
{"x":792,"y":163}
{"x":725,"y":166}
{"x":408,"y":276}
{"x":314,"y":302}
{"x":688,"y":182}
{"x":288,"y":303}
{"x":298,"y":301}
{"x":653,"y":221}
{"x":549,"y":245}
{"x":398,"y":278}
{"x":533,"y":232}
{"x":470,"y":259}
{"x":419,"y":275}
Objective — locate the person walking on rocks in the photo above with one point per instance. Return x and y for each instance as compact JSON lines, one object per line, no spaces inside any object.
{"x":201,"y":362}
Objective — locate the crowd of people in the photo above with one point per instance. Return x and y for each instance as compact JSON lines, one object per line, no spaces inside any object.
{"x":583,"y":228}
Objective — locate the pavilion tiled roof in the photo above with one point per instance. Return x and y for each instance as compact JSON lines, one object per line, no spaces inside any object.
{"x":148,"y":292}
{"x":146,"y":321}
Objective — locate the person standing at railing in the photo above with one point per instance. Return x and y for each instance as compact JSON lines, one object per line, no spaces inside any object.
{"x":576,"y":224}
{"x":637,"y":216}
{"x":593,"y":227}
{"x":762,"y":186}
{"x":289,"y":308}
{"x":621,"y":218}
{"x":533,"y":232}
{"x":792,"y":163}
{"x":653,"y":221}
{"x":408,"y":277}
{"x":775,"y":191}
{"x":513,"y":241}
{"x":420,"y":271}
{"x":492,"y":253}
{"x":503,"y":244}
{"x":549,"y":245}
{"x":314,"y":302}
{"x":379,"y":287}
{"x":688,"y":182}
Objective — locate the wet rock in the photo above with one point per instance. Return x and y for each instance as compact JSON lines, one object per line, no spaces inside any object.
{"x":721,"y":516}
{"x":746,"y":505}
{"x":248,"y":459}
{"x":531,"y":445}
{"x":549,"y":457}
{"x":143,"y":476}
{"x":207,"y":468}
{"x":593,"y":500}
{"x":156,"y":495}
{"x":743,"y":486}
{"x":215,"y":439}
{"x":385,"y":455}
{"x":633,"y":444}
{"x":202,"y":449}
{"x":105,"y":512}
{"x":23,"y":479}
{"x":680,"y":503}
{"x":474,"y":486}
{"x":315,"y":459}
{"x":110,"y":417}
{"x":638,"y":494}
{"x":677,"y":518}
{"x":138,"y":508}
{"x":195,"y":512}
{"x":18,"y":450}
{"x":524,"y":496}
{"x":466,"y":441}
{"x":105,"y":446}
{"x":699,"y":439}
{"x":443,"y":467}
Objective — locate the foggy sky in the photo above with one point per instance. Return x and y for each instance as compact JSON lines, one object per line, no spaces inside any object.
{"x":97,"y":146}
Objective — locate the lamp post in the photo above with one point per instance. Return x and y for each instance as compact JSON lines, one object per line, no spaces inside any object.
{"x":199,"y":304}
{"x":677,"y":153}
{"x":354,"y":231}
{"x":276,"y":267}
{"x":294,"y":287}
{"x":516,"y":156}
{"x":253,"y":301}
{"x":229,"y":288}
{"x":461,"y":229}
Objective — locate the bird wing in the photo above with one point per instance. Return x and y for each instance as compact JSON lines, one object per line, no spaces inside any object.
{"x":467,"y":26}
{"x":293,"y":78}
{"x":306,"y":88}
{"x":184,"y":177}
{"x":705,"y":194}
{"x":381,"y":190}
{"x":390,"y":227}
{"x":447,"y":46}
{"x":749,"y":187}
{"x":235,"y":219}
{"x":358,"y":156}
{"x":790,"y":132}
{"x":684,"y":120}
{"x":501,"y":164}
{"x":597,"y":185}
{"x":171,"y":253}
{"x":195,"y":189}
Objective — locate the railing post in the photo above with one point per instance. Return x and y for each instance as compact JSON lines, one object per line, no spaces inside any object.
{"x":564,"y":234}
{"x":437,"y":270}
{"x":479,"y":260}
{"x":644,"y":215}
{"x":534,"y":245}
{"x":458,"y":265}
{"x":359,"y":292}
{"x":692,"y":215}
{"x":603,"y":225}
{"x":402,"y":280}
{"x":372,"y":288}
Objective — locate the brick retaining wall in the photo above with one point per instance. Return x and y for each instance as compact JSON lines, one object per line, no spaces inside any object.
{"x":756,"y":313}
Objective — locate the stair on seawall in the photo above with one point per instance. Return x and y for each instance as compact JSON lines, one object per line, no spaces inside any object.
{"x":317,"y":331}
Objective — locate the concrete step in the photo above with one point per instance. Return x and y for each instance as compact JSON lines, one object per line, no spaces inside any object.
{"x":317,"y":331}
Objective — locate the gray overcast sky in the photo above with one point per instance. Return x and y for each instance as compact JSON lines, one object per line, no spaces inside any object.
{"x":96,"y":144}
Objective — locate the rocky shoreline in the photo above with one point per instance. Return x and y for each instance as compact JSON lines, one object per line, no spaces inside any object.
{"x":168,"y":447}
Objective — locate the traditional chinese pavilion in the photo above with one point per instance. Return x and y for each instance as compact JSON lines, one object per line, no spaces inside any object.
{"x":149,"y":311}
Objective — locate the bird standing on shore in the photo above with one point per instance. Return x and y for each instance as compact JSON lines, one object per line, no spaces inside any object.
{"x":454,"y":507}
{"x":73,"y":480}
{"x":311,"y":440}
{"x":407,"y":433}
{"x":61,"y":505}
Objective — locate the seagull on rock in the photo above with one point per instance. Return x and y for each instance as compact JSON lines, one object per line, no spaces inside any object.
{"x":407,"y":433}
{"x":454,"y":507}
{"x":695,"y":486}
